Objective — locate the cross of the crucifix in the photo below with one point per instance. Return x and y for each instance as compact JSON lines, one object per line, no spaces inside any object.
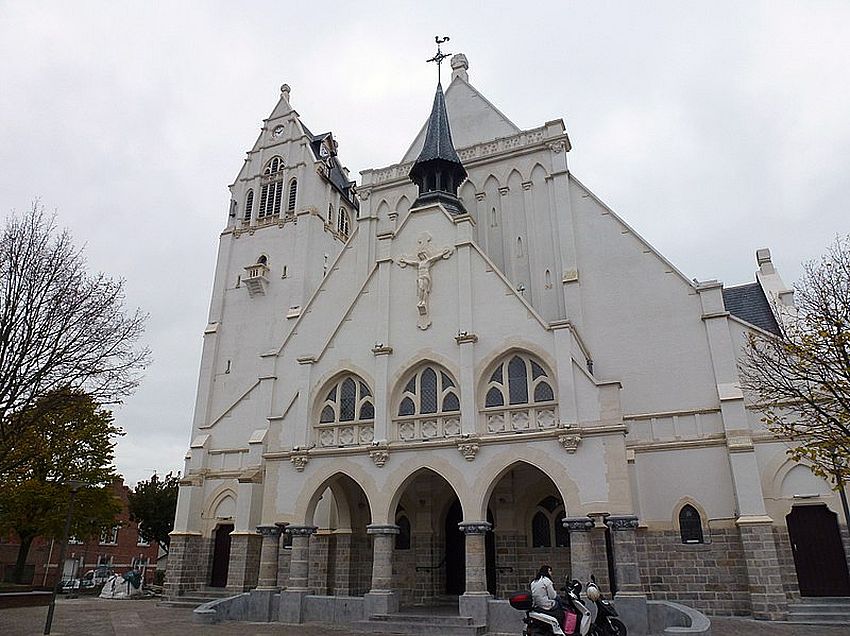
{"x":440,"y":56}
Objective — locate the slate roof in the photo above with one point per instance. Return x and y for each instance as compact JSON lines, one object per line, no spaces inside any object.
{"x":749,"y":303}
{"x":335,"y":173}
{"x":438,"y":139}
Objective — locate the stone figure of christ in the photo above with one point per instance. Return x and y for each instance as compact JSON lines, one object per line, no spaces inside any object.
{"x":423,"y":264}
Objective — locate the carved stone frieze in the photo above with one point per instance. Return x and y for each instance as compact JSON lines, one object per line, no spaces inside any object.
{"x":475,"y":527}
{"x":379,"y":453}
{"x":622,"y":522}
{"x":579,"y":524}
{"x":268,"y":530}
{"x":299,"y":460}
{"x":300,"y":531}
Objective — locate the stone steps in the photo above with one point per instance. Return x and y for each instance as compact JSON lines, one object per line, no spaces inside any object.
{"x":422,"y":624}
{"x":820,"y":611}
{"x":194,"y":598}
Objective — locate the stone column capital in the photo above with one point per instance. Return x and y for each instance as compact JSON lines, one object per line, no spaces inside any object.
{"x":268,"y":530}
{"x":378,"y":528}
{"x":300,"y":531}
{"x":622,"y":522}
{"x":475,"y":527}
{"x":578,"y":524}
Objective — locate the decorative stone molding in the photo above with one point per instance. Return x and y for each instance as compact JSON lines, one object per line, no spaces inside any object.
{"x":570,"y":276}
{"x":364,"y":194}
{"x":269,"y":530}
{"x":475,"y":527}
{"x":468,"y":447}
{"x":382,"y":528}
{"x":255,"y":279}
{"x":300,"y":531}
{"x":379,"y":454}
{"x":480,"y":196}
{"x":527,"y":185}
{"x":569,"y":441}
{"x":300,"y":460}
{"x":578,"y":524}
{"x":624,"y":522}
{"x":380,"y":349}
{"x":557,"y":147}
{"x":739,"y":441}
{"x":464,"y":337}
{"x":504,"y":190}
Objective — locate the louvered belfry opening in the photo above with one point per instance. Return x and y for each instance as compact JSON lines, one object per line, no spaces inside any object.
{"x":438,"y":171}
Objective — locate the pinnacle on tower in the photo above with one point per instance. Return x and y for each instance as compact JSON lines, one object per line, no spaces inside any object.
{"x":438,"y":171}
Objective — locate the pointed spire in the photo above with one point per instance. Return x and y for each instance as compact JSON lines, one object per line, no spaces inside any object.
{"x":438,"y":171}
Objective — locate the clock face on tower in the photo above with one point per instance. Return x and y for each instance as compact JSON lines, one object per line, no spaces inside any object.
{"x":277,"y":132}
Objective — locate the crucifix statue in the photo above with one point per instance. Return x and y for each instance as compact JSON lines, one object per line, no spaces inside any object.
{"x":440,"y":56}
{"x":425,"y":257}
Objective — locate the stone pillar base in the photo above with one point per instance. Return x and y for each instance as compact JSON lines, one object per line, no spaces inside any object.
{"x":292,"y":606}
{"x":262,"y":605}
{"x":475,"y":605}
{"x":633,"y":612}
{"x":381,"y":603}
{"x":767,"y":596}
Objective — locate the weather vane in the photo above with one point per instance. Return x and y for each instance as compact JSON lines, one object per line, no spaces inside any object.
{"x":440,"y":56}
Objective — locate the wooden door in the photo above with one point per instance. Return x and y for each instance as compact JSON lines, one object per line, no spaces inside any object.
{"x":221,"y":555}
{"x":818,"y":553}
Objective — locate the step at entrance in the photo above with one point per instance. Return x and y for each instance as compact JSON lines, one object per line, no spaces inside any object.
{"x":823,"y":610}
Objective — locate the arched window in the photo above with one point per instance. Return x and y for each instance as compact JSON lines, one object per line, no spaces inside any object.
{"x":430,"y":391}
{"x":330,"y":213}
{"x":293,"y":195}
{"x":249,"y":206}
{"x":342,"y":222}
{"x":519,"y":250}
{"x":518,"y":379}
{"x":272,"y":190}
{"x":690,"y":525}
{"x":263,"y":260}
{"x":347,"y":414}
{"x":547,"y":528}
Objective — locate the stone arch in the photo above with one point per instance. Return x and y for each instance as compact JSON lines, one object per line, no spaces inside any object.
{"x":703,"y":516}
{"x":402,"y":206}
{"x":324,"y":384}
{"x":347,"y":493}
{"x":538,"y":173}
{"x":383,"y":209}
{"x":399,"y":481}
{"x":321,"y":477}
{"x":414,"y":363}
{"x":222,"y":500}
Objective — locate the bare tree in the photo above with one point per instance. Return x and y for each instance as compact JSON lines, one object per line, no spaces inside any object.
{"x":59,"y":327}
{"x":801,"y":379}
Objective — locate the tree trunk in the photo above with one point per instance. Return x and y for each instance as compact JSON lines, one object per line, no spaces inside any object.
{"x":20,"y":563}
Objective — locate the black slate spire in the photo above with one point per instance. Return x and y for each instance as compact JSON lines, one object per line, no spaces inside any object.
{"x":438,"y":171}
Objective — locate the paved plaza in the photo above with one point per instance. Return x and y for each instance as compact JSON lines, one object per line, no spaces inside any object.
{"x":99,"y":617}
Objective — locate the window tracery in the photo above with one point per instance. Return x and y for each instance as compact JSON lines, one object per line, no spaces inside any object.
{"x":347,"y":414}
{"x":429,"y":406}
{"x":272,"y":190}
{"x":519,"y":396}
{"x":342,"y":222}
{"x":293,"y":195}
{"x":249,"y":206}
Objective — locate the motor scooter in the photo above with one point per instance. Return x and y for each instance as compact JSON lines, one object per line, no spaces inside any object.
{"x":606,"y":622}
{"x":539,"y":624}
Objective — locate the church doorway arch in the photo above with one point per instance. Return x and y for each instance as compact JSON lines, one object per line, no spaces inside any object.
{"x":526,"y":510}
{"x":429,"y":558}
{"x":221,"y":555}
{"x":819,"y":556}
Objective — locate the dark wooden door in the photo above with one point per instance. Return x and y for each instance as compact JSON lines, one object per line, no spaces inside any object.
{"x":221,"y":555}
{"x":818,"y":553}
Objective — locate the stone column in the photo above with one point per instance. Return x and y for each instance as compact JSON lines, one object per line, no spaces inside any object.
{"x":381,"y":599}
{"x":581,"y":548}
{"x":631,"y":601}
{"x":267,"y":579}
{"x":299,"y":566}
{"x":292,"y":598}
{"x":475,"y":599}
{"x":767,"y":596}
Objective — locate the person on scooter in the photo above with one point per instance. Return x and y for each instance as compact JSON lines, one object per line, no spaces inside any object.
{"x":544,"y":596}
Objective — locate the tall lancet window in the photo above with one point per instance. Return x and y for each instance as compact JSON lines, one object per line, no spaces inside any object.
{"x":272,"y":190}
{"x":342,"y":223}
{"x":293,"y":195}
{"x":249,"y":207}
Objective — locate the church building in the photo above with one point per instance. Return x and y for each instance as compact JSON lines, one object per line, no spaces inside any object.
{"x":417,"y":389}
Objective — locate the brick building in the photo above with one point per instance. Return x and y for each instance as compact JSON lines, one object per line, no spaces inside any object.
{"x":118,"y":548}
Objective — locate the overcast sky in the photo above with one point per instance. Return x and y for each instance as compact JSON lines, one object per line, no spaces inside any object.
{"x":712,"y":128}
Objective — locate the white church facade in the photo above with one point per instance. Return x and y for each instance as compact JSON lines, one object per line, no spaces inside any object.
{"x":416,"y":393}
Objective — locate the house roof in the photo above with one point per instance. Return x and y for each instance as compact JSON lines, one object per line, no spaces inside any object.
{"x":749,"y":303}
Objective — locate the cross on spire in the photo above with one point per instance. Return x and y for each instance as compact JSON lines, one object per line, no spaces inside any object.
{"x":440,"y":56}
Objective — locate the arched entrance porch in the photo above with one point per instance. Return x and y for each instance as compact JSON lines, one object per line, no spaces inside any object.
{"x":527,"y":512}
{"x":429,"y":553}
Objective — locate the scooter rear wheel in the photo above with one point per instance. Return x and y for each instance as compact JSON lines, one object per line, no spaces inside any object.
{"x":617,"y":628}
